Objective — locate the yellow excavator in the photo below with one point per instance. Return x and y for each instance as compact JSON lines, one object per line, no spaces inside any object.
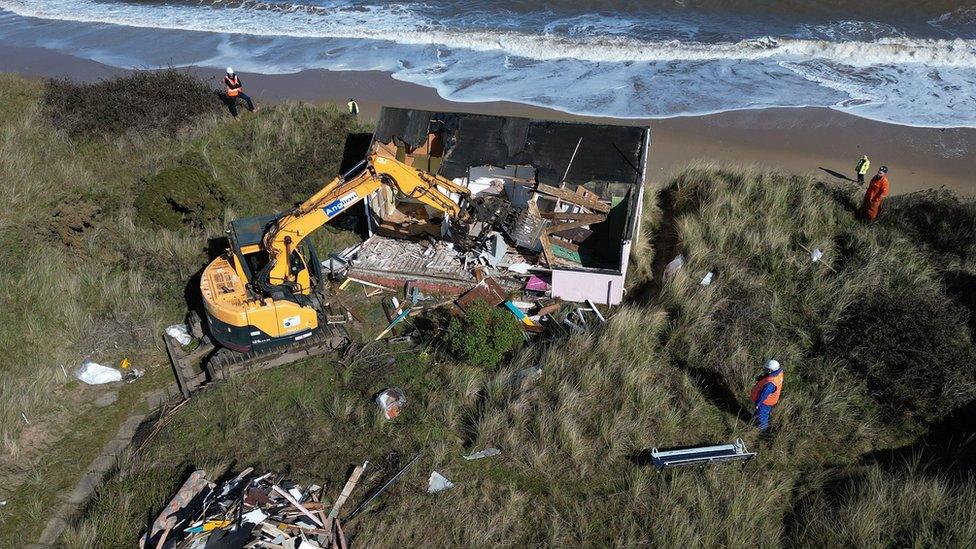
{"x":262,"y":298}
{"x":260,"y":293}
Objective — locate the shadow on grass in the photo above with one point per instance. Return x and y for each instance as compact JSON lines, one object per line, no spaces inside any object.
{"x":838,"y":175}
{"x":665,"y":245}
{"x":949,"y":446}
{"x":841,"y":195}
{"x":713,"y":387}
{"x":961,"y":286}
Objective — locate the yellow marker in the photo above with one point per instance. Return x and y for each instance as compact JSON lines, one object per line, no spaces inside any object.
{"x":125,"y":363}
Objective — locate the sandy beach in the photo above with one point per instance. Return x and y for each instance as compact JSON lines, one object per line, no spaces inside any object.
{"x":805,"y":140}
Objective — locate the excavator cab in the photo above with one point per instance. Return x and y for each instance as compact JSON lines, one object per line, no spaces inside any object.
{"x":240,"y":317}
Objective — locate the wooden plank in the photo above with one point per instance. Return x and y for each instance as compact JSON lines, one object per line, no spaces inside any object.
{"x":586,"y":193}
{"x":574,"y":235}
{"x":566,"y":254}
{"x":568,"y":225}
{"x":350,"y":484}
{"x":547,"y":252}
{"x":573,"y":198}
{"x":568,"y":216}
{"x":549,"y":309}
{"x":488,"y":290}
{"x":298,"y":506}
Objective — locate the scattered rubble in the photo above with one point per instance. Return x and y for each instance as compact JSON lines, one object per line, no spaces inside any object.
{"x":674,"y":266}
{"x":553,"y":207}
{"x":250,"y":510}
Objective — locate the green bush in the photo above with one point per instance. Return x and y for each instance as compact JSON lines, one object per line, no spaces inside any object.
{"x":144,"y":102}
{"x":484,"y":336}
{"x":180,"y":196}
{"x":912,"y":348}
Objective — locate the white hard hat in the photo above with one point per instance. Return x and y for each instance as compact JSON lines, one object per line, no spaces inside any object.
{"x":230,"y":70}
{"x":772,"y":365}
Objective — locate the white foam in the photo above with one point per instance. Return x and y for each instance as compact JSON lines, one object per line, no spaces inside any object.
{"x":406,"y":27}
{"x":583,"y":65}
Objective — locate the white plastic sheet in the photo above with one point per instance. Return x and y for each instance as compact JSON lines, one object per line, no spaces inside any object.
{"x":707,"y":280}
{"x":815,"y":255}
{"x":180,"y":334}
{"x":438,"y":483}
{"x":487,"y":452}
{"x":674,"y":266}
{"x":256,"y":516}
{"x":93,"y":373}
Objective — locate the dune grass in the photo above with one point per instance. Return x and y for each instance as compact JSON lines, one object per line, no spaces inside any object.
{"x":87,"y":278}
{"x":672,"y":367}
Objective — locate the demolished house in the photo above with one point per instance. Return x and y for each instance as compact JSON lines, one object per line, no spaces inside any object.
{"x":556,"y":206}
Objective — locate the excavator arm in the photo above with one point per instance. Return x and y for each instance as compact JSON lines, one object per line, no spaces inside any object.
{"x":283,"y":237}
{"x":257,"y":295}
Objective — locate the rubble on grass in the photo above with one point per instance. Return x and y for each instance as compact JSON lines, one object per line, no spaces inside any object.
{"x":253,"y":511}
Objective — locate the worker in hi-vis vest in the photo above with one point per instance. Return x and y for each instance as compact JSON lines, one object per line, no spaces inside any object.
{"x":862,"y":167}
{"x":353,"y":107}
{"x":766,"y":392}
{"x":235,"y":90}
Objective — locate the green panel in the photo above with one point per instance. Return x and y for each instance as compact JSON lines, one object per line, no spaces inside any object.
{"x":566,"y":253}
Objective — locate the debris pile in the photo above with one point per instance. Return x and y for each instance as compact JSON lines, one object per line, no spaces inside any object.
{"x":550,"y":208}
{"x":251,"y":511}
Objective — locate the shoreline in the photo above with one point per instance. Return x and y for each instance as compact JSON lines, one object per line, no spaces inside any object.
{"x":807,"y":140}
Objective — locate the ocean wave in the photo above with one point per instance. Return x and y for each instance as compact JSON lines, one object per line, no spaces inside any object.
{"x":589,"y":64}
{"x":404,"y":26}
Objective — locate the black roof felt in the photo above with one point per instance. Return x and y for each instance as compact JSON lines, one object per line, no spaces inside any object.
{"x":610,"y":154}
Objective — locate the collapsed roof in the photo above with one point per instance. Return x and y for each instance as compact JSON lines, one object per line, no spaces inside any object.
{"x":566,"y":196}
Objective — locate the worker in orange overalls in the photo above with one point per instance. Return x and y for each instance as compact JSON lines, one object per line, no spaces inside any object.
{"x":765,"y":394}
{"x":235,"y":90}
{"x":877,"y":190}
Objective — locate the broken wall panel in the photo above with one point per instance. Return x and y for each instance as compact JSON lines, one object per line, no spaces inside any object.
{"x":578,"y":286}
{"x":508,"y":160}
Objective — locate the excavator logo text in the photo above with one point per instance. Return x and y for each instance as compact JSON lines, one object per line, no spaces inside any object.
{"x":336,"y":207}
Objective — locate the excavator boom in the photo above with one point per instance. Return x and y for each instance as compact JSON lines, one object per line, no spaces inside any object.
{"x":260,"y":293}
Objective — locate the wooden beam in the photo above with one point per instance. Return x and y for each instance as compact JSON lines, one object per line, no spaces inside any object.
{"x":566,"y":216}
{"x":333,"y":517}
{"x":547,"y":249}
{"x":573,"y":235}
{"x":568,"y":225}
{"x":573,"y":198}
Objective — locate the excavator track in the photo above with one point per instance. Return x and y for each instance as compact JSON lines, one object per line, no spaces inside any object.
{"x":224,"y":364}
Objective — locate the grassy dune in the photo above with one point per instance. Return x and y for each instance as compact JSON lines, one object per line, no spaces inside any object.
{"x":870,"y":445}
{"x":672,"y":367}
{"x":88,"y":277}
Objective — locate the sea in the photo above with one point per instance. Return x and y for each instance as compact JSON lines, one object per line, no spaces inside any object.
{"x":910,"y":62}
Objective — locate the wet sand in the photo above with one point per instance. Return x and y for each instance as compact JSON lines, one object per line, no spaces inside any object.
{"x":803,"y":140}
